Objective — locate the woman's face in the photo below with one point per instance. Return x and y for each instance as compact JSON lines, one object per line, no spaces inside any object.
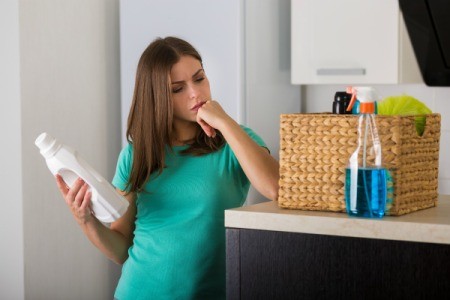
{"x":190,"y":88}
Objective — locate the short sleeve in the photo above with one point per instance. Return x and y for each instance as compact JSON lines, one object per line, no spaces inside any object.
{"x":254,"y":136}
{"x":123,"y":168}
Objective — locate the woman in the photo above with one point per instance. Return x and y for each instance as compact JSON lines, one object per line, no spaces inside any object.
{"x":186,"y":162}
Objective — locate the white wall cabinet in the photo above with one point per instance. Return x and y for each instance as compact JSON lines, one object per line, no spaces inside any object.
{"x":350,"y":42}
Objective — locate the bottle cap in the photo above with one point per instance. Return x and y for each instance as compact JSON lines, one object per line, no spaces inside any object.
{"x":47,"y":144}
{"x":367,"y":107}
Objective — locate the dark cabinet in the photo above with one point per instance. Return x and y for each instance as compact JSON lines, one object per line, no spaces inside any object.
{"x":264,"y":264}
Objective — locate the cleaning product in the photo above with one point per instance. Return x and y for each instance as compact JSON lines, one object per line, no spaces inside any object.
{"x":365,"y":177}
{"x":341,"y":102}
{"x":354,"y":108}
{"x":107,"y":204}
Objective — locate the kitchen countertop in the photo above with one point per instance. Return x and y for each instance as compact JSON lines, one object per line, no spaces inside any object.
{"x":430,"y":225}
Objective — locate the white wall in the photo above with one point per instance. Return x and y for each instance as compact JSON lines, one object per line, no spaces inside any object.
{"x":267,"y":72}
{"x":11,"y":227}
{"x":318,"y":98}
{"x":269,"y":92}
{"x":67,"y":53}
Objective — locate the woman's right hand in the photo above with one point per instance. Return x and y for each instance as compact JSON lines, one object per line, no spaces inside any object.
{"x":78,"y":198}
{"x":114,"y":240}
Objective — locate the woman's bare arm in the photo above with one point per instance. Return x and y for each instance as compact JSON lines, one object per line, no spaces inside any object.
{"x":260,"y":167}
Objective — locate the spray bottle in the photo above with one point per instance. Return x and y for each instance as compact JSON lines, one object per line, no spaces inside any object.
{"x":365,"y":177}
{"x":107,"y":204}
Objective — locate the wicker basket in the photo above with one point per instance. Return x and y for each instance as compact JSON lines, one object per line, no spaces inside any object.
{"x":315,"y":149}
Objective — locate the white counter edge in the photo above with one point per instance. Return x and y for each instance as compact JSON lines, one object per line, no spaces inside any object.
{"x":430,"y":226}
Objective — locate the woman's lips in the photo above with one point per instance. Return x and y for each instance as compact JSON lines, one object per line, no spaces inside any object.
{"x":198,"y":105}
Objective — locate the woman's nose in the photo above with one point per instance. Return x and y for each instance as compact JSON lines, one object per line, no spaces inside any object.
{"x":194,"y":91}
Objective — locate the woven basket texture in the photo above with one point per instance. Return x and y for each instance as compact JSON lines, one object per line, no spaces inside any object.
{"x":315,"y":149}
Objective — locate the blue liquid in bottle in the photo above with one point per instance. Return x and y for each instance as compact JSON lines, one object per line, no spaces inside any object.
{"x":371,"y":193}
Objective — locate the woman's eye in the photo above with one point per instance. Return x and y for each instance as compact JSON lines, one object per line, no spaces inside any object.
{"x":177,"y":90}
{"x":199,"y":79}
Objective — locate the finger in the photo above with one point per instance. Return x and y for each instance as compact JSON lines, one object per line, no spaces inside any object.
{"x":213,"y":133}
{"x":80,"y":195}
{"x":209,"y":130}
{"x":74,"y":189}
{"x":206,"y":128}
{"x":86,"y":200}
{"x":62,"y":186}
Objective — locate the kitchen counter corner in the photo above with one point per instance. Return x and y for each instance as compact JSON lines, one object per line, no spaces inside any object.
{"x":430,"y":225}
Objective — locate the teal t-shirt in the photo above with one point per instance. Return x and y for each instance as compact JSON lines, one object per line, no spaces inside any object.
{"x":178,"y":250}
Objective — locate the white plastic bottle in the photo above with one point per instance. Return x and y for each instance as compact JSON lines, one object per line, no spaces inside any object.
{"x":107,"y":204}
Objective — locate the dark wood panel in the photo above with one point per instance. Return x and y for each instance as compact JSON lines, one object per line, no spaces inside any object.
{"x":280,"y":265}
{"x":233,"y":277}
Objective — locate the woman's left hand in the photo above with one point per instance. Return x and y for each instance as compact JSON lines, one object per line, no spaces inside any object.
{"x":211,"y":116}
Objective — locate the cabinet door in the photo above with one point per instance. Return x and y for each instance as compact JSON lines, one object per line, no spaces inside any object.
{"x":345,"y":41}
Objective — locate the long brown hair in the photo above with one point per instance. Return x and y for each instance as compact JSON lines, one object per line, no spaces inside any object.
{"x":149,"y":127}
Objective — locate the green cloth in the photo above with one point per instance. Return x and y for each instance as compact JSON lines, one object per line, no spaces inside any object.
{"x":178,"y":250}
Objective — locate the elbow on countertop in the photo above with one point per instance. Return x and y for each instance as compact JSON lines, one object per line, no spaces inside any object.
{"x":273,"y":188}
{"x":272,"y":191}
{"x":274,"y":194}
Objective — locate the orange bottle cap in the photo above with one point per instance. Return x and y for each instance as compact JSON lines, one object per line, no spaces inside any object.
{"x":367,"y":107}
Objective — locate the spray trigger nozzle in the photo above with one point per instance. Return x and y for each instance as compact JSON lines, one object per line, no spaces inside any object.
{"x":352,"y":91}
